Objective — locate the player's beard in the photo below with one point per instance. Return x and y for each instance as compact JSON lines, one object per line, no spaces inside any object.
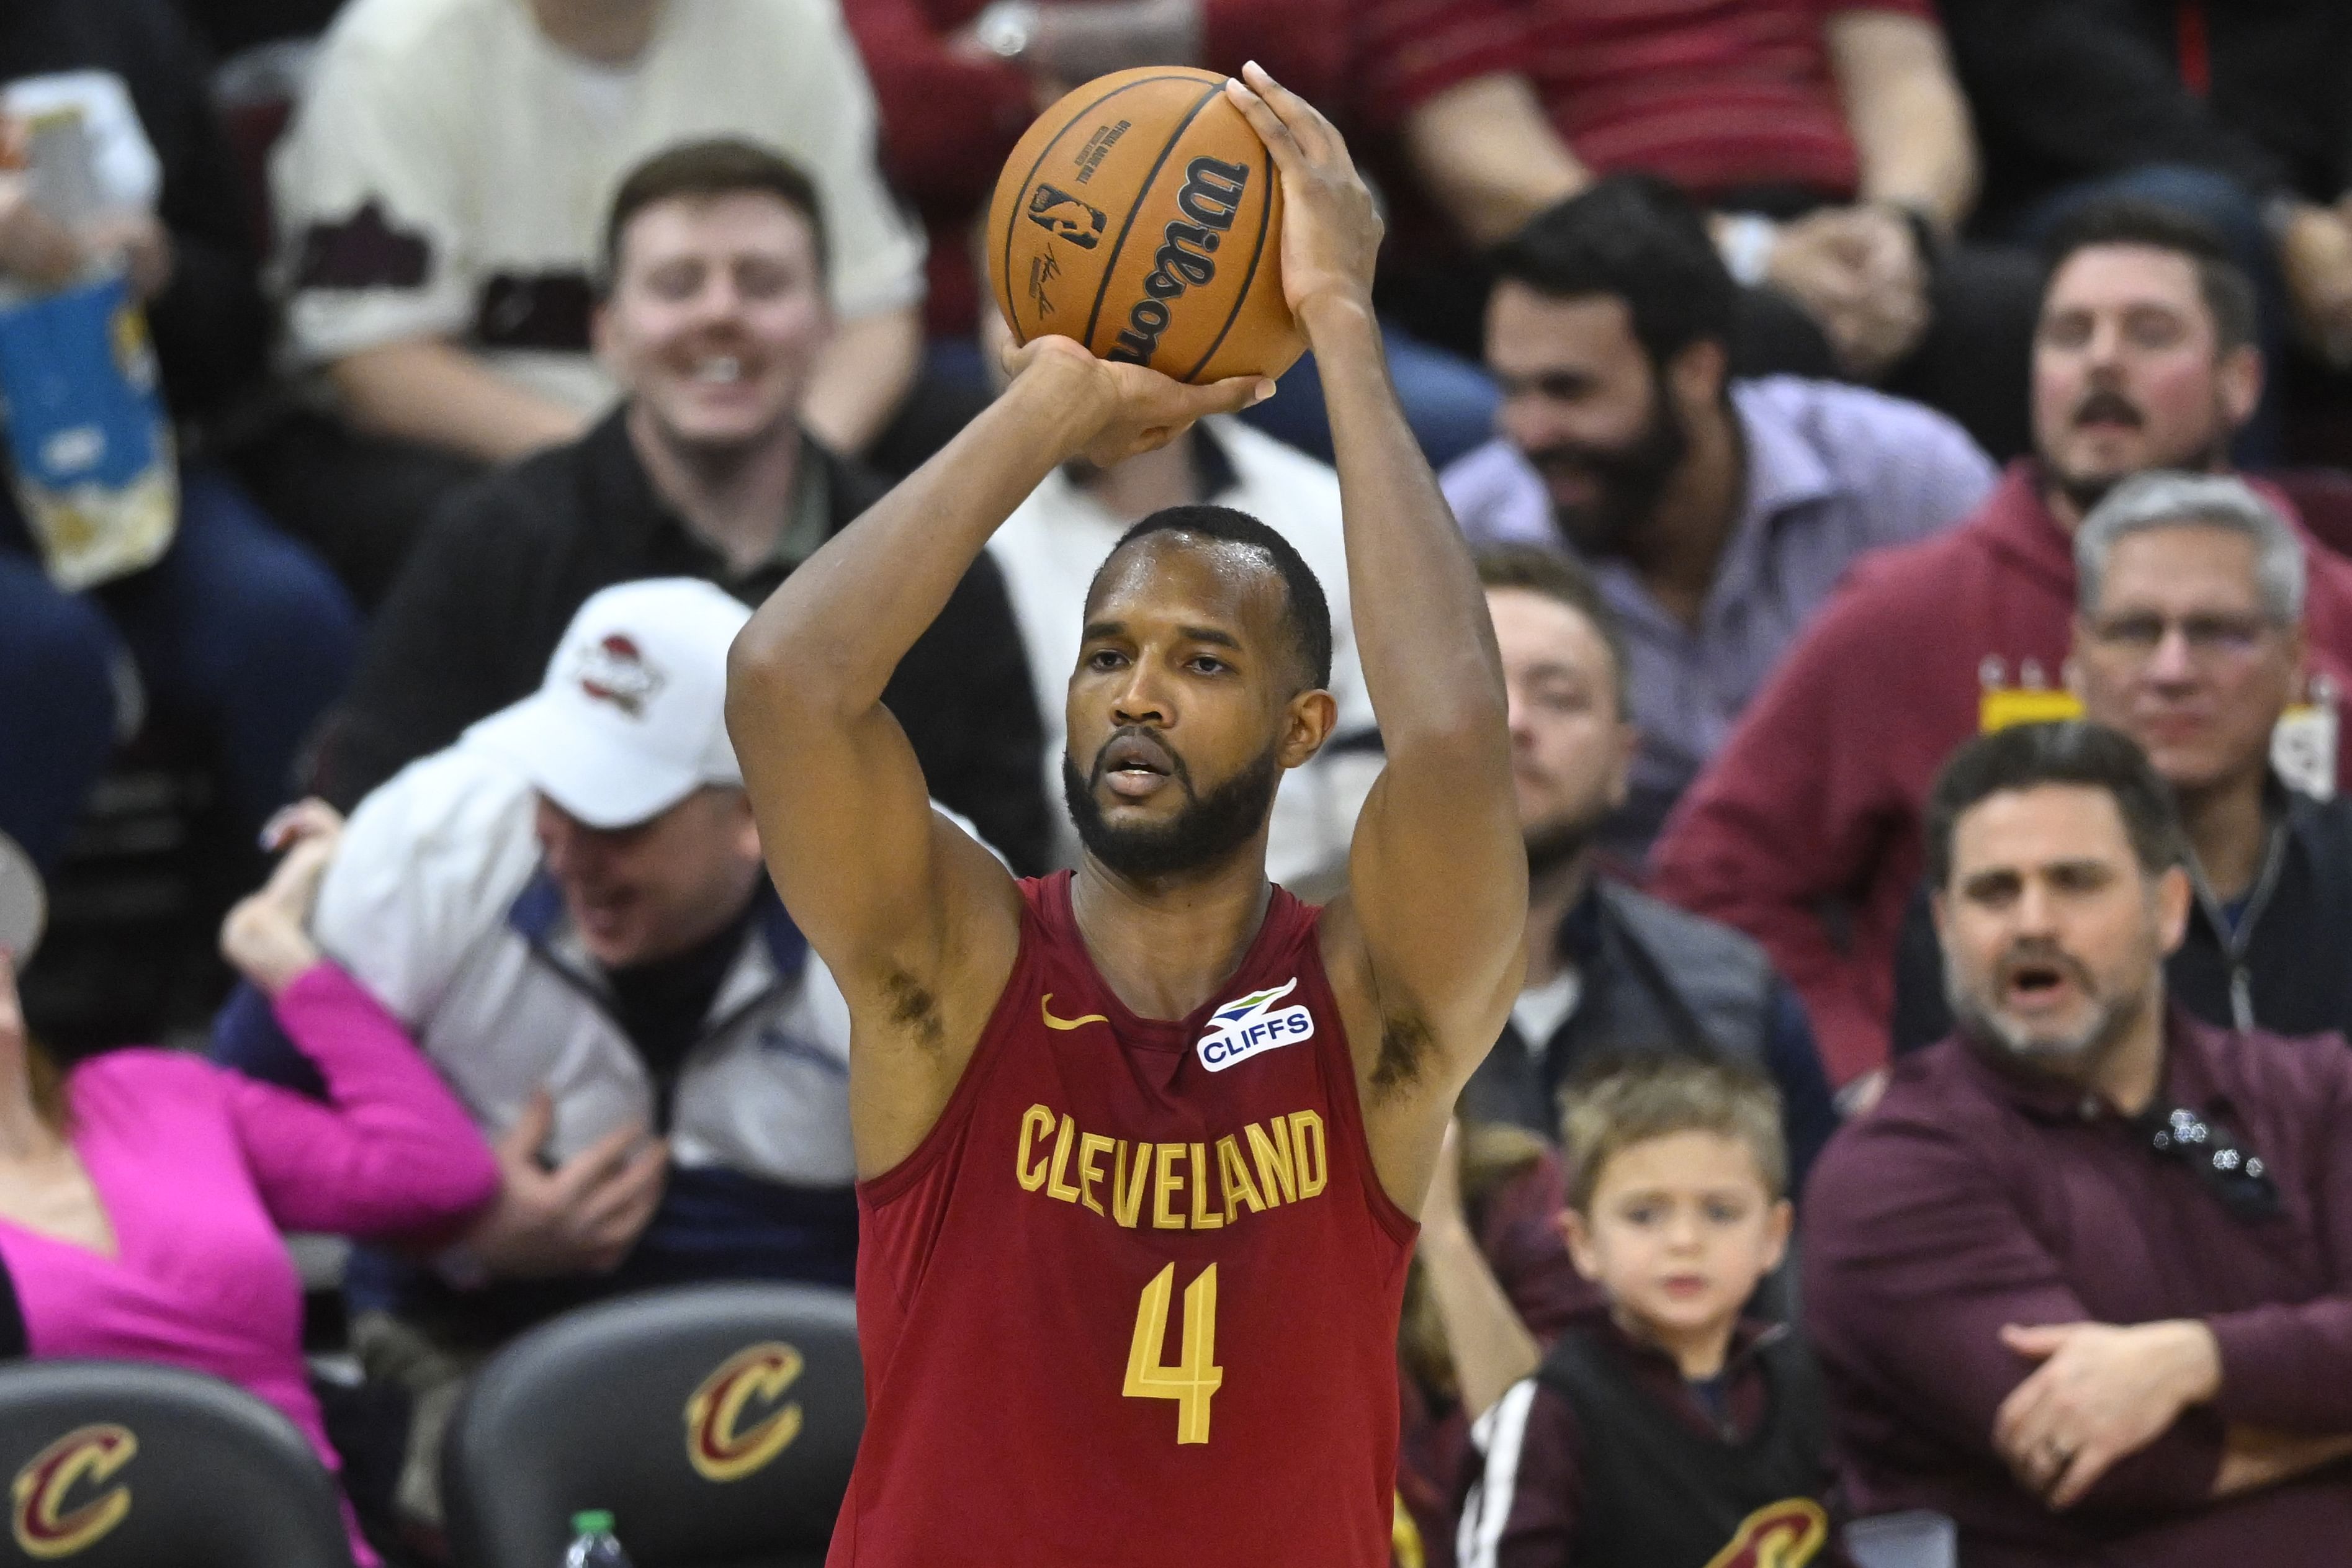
{"x":1629,"y":478}
{"x":1205,"y":831}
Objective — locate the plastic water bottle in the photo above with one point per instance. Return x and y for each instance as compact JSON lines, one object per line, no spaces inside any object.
{"x":593,"y":1545}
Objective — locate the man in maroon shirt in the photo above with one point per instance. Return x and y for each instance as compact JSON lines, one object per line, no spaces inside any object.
{"x":2083,"y":1280}
{"x":1804,"y":832}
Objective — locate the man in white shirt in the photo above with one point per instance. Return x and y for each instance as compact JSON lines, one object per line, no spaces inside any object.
{"x":1048,"y":551}
{"x":442,"y":188}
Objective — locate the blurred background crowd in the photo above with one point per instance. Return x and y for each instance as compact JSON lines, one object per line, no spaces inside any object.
{"x":1827,"y":385}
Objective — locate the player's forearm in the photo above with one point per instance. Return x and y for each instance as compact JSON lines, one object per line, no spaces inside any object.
{"x":439,"y":395}
{"x":1421,"y":632}
{"x":833,"y":633}
{"x":863,"y":377}
{"x":1488,"y":153}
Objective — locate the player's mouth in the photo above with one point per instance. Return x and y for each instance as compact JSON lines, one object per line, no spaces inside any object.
{"x":1135,"y":765}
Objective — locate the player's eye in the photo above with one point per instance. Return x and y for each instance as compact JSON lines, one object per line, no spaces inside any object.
{"x":1209,"y":663}
{"x":1104,"y":659}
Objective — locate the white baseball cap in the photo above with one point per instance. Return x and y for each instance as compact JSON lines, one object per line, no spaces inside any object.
{"x":632,"y":718}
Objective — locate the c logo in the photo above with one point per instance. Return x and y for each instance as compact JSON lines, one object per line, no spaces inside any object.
{"x":45,"y":1527}
{"x":1784,"y":1534}
{"x":720,"y":1446}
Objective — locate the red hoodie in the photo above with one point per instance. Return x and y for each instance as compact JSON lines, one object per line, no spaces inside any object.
{"x":1816,"y":801}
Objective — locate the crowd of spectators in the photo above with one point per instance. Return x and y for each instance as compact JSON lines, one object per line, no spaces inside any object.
{"x":1894,"y":437}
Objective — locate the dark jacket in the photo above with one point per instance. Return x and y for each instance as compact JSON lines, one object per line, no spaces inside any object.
{"x":2287,"y":969}
{"x":211,"y":325}
{"x":2074,"y":89}
{"x":479,"y":607}
{"x":1657,"y":978}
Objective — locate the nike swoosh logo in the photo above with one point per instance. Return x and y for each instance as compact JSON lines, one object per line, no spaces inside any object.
{"x":1045,"y":1006}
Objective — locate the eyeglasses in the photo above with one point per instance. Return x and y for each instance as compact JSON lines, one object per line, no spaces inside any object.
{"x":2210,"y":637}
{"x":2239,"y":1178}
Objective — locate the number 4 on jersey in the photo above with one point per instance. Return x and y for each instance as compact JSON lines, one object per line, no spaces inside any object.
{"x":1195,"y":1378}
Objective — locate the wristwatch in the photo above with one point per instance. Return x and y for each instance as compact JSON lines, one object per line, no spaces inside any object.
{"x":1006,"y":29}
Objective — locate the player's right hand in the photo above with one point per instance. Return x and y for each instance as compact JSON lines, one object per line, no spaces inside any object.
{"x":1105,"y":411}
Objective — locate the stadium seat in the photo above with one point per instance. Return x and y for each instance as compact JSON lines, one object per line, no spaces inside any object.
{"x":125,"y":1465}
{"x":717,"y":1423}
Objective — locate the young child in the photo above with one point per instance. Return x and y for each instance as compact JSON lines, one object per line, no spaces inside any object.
{"x":1663,"y":1429}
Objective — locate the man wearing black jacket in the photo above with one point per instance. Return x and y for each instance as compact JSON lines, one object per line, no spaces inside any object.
{"x":2189,"y":641}
{"x":713,"y":317}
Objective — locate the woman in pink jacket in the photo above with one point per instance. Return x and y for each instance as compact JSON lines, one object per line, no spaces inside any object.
{"x":144,"y":1193}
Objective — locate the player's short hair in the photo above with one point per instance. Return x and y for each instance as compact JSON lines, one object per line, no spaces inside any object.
{"x":1532,"y":568}
{"x":1611,"y":1107}
{"x":1307,"y":613}
{"x":2072,"y":752}
{"x":2228,"y":293}
{"x":714,"y":166}
{"x":1634,"y":237}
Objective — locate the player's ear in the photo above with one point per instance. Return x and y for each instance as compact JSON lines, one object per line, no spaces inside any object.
{"x":1313,"y":714}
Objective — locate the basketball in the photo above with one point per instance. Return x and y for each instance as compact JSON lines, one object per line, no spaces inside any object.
{"x":1141,"y":216}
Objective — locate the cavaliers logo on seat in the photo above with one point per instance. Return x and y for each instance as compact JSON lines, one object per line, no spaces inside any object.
{"x":737,"y":1421}
{"x":1062,"y":215}
{"x":1784,"y":1534}
{"x":62,"y":1500}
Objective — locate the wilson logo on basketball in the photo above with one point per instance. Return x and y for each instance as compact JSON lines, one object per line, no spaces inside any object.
{"x":1211,"y":197}
{"x":62,"y":1502}
{"x":736,"y":1421}
{"x":1784,"y":1534}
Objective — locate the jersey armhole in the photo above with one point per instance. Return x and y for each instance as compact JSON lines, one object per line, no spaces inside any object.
{"x":1340,"y":1061}
{"x":879,"y":1192}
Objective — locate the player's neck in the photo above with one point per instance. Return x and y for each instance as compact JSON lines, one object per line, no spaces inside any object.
{"x":1165,"y":947}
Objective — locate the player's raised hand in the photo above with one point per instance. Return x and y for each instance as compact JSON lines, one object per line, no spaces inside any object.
{"x":1118,"y":409}
{"x":1330,"y":225}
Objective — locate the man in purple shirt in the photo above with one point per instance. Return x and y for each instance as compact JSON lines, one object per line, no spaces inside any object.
{"x":2083,"y":1280}
{"x":1716,"y":514}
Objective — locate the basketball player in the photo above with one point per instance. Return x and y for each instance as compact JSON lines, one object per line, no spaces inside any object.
{"x":1140,"y":1146}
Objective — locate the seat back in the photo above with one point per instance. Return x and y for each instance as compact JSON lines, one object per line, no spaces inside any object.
{"x":125,"y":1465}
{"x":717,"y":1423}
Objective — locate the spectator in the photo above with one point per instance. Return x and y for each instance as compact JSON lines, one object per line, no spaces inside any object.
{"x":2189,"y":641}
{"x":440,"y":193}
{"x":1828,"y":138}
{"x":1716,"y":513}
{"x":1663,"y":1427}
{"x":960,"y":81}
{"x":1048,"y":550}
{"x":2081,"y":1280}
{"x":237,"y":634}
{"x":713,"y":321}
{"x":1491,"y":1267}
{"x":568,"y":910}
{"x":2235,"y":113}
{"x":1610,"y":972}
{"x":141,"y":1192}
{"x":1804,"y":833}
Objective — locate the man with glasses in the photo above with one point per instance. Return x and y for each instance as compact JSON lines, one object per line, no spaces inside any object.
{"x":2081,"y":1281}
{"x":2190,"y":640}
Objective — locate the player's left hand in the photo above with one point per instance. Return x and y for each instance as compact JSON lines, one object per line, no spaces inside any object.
{"x":1330,"y":225}
{"x":1110,"y":410}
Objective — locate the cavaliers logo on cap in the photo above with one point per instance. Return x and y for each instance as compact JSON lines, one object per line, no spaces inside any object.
{"x":614,"y":670}
{"x":62,"y":1502}
{"x":736,"y":1420}
{"x":1784,"y":1534}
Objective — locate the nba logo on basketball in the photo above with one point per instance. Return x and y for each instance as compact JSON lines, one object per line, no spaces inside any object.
{"x":1249,"y":1026}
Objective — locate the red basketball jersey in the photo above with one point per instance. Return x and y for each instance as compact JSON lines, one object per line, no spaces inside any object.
{"x":1134,"y":1301}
